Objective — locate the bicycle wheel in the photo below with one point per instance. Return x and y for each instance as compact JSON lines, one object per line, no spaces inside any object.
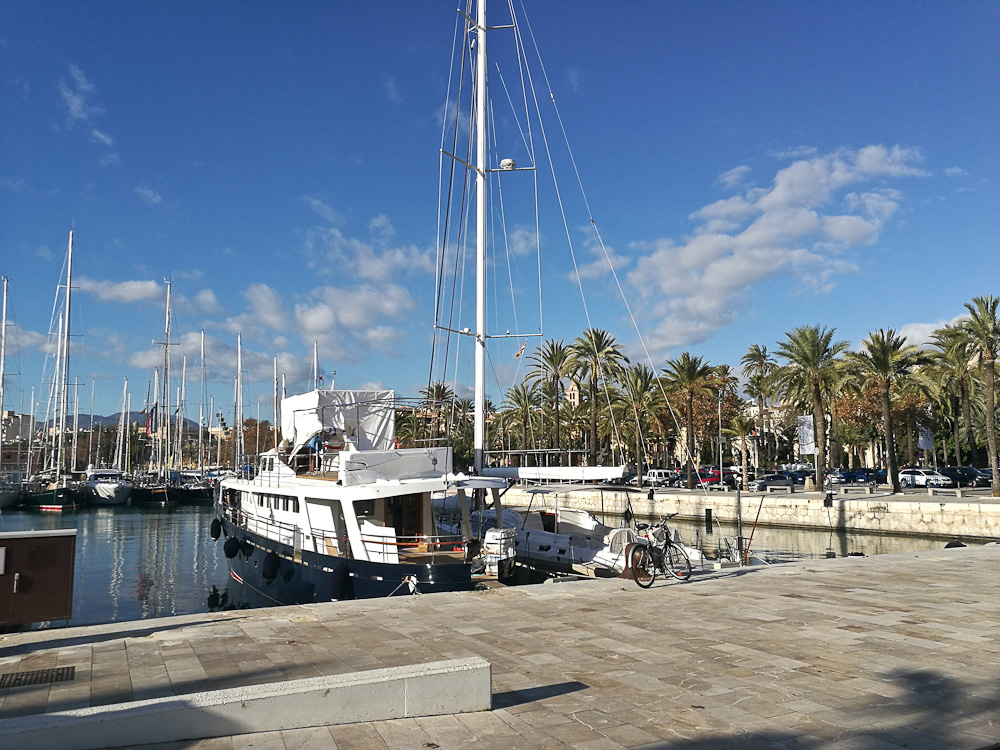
{"x":677,"y":562}
{"x":641,"y":564}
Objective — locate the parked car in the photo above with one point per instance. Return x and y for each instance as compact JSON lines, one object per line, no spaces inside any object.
{"x":659,"y":477}
{"x":924,"y":478}
{"x":799,"y":476}
{"x":988,"y":473}
{"x":837,"y":476}
{"x":764,"y":481}
{"x":711,"y":476}
{"x":965,"y":476}
{"x":860,"y":476}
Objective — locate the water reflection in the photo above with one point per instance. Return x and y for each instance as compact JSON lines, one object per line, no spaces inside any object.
{"x":137,"y":563}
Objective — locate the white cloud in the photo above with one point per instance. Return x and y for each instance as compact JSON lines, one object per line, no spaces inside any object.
{"x":348,"y":322}
{"x":955,"y":172}
{"x":102,"y":138}
{"x":688,"y":289}
{"x":919,"y":334}
{"x":602,"y":265}
{"x":122,"y":291}
{"x":147,"y":196}
{"x":206,"y":302}
{"x":267,"y":305}
{"x":76,"y":95}
{"x":735,"y":177}
{"x":879,"y":204}
{"x":850,"y":230}
{"x":383,"y":339}
{"x":795,"y":152}
{"x":329,"y":252}
{"x":322,"y":210}
{"x":392,"y":89}
{"x":523,"y":241}
{"x":573,"y":77}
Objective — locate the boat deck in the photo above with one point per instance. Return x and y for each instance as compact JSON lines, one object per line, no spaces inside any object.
{"x":890,"y":651}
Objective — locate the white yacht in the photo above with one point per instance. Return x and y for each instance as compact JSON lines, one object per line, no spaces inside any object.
{"x":337,"y":511}
{"x":105,"y":487}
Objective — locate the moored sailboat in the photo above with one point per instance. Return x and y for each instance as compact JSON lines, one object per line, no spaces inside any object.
{"x":54,"y":489}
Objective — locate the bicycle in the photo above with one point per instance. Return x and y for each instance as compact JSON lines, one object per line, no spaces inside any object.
{"x":659,"y":554}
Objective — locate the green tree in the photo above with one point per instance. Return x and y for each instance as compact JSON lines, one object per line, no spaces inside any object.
{"x":954,"y":367}
{"x":810,"y":354}
{"x":688,"y":376}
{"x":757,"y":367}
{"x":742,"y":426}
{"x":437,"y":396}
{"x":550,"y":364}
{"x":522,"y":401}
{"x":640,"y":397}
{"x":885,"y":361}
{"x":983,"y":329}
{"x":600,"y":358}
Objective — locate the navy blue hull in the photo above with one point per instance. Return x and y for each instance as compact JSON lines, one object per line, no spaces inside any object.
{"x":324,"y":578}
{"x":374,"y":580}
{"x":318,"y":578}
{"x":151,"y":495}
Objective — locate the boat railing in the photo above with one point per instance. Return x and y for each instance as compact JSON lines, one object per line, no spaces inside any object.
{"x":419,"y":549}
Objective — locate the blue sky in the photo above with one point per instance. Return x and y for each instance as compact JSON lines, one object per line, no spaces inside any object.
{"x":751,"y":167}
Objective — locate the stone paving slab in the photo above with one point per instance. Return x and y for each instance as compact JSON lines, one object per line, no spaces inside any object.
{"x":893,"y":651}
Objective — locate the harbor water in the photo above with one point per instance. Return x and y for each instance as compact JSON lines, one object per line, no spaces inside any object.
{"x":135,"y":563}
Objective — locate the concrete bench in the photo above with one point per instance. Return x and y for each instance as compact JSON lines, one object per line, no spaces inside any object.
{"x":958,"y":492}
{"x":444,"y":687}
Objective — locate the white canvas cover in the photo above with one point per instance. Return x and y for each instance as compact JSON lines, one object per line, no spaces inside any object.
{"x":368,"y":417}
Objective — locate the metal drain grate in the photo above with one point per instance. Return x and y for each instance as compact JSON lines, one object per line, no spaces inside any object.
{"x":38,"y":677}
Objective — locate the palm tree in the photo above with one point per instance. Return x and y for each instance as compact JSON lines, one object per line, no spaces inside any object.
{"x":522,"y":401}
{"x":597,"y":355}
{"x":436,"y":395}
{"x":885,"y":361}
{"x":955,"y":365}
{"x":742,"y":426}
{"x":983,"y":329}
{"x":811,"y":356}
{"x":640,"y":396}
{"x":688,"y":376}
{"x":758,"y":366}
{"x":759,"y":388}
{"x":551,"y":363}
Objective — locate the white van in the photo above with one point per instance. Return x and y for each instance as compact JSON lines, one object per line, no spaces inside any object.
{"x":659,"y":477}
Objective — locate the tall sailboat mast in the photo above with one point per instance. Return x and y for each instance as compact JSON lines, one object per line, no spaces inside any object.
{"x":3,"y":341}
{"x":479,"y":435}
{"x":164,"y":422}
{"x":201,"y":412}
{"x":119,"y":462}
{"x":64,"y":364}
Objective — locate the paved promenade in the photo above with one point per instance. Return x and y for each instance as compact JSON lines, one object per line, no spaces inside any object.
{"x":894,"y":651}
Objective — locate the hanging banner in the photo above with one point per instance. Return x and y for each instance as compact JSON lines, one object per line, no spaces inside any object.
{"x":926,"y":440}
{"x":807,"y":438}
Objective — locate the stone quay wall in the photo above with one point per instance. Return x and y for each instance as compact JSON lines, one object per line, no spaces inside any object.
{"x":946,"y":514}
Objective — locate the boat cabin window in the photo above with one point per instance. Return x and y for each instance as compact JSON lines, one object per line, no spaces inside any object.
{"x":278,"y":502}
{"x":365,"y":508}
